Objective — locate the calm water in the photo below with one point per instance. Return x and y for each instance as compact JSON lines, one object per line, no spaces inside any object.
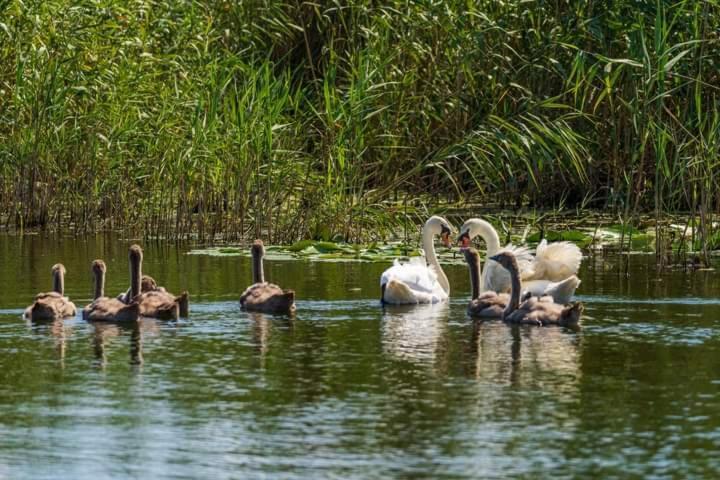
{"x":347,"y":390}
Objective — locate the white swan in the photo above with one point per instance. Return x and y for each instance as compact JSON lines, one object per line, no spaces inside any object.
{"x":421,"y":280}
{"x":551,"y":272}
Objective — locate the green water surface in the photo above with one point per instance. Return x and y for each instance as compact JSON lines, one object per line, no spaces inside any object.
{"x":348,"y":389}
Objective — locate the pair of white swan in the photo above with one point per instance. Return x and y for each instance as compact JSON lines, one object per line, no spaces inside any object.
{"x":552,"y":271}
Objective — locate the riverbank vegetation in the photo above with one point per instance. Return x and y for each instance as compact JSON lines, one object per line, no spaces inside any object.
{"x":350,"y":120}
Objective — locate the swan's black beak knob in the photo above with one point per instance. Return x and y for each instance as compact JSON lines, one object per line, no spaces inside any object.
{"x":445,"y":237}
{"x":446,"y":240}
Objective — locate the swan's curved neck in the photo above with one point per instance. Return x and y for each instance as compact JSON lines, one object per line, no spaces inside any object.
{"x":514,"y":290}
{"x":431,"y":258}
{"x":99,"y":284}
{"x":488,"y":234}
{"x":135,"y":276}
{"x":59,"y":282}
{"x":257,"y":267}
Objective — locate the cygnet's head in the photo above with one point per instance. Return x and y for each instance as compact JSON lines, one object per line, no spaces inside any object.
{"x":58,"y":268}
{"x":136,"y":253}
{"x":257,"y":249}
{"x":507,"y":260}
{"x":98,"y":266}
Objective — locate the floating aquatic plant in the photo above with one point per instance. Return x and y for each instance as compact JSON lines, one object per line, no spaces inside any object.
{"x":333,"y":252}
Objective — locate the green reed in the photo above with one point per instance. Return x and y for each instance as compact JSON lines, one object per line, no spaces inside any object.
{"x":231,"y":119}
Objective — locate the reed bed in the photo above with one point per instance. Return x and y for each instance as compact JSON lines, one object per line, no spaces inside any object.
{"x":229,"y":119}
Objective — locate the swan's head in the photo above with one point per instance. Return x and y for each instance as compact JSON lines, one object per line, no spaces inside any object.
{"x":136,"y":253}
{"x":439,"y":226}
{"x":98,"y":266}
{"x":58,"y":268}
{"x":257,"y":249}
{"x":507,"y":260}
{"x":476,"y":227}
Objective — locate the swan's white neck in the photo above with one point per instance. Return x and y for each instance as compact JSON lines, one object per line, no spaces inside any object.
{"x":488,"y":234}
{"x":431,"y":259}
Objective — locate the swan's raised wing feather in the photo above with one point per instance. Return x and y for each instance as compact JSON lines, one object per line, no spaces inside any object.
{"x":523,"y":255}
{"x":496,"y":278}
{"x":554,"y":261}
{"x":564,"y":252}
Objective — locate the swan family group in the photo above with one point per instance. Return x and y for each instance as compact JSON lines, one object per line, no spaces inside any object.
{"x":515,"y":285}
{"x":143,"y":298}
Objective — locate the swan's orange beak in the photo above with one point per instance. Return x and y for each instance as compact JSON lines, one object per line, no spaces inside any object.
{"x":464,"y":241}
{"x":445,"y":238}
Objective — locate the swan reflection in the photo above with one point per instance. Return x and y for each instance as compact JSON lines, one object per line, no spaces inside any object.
{"x":61,"y":330}
{"x":415,"y":332}
{"x":261,"y":330}
{"x":106,"y":331}
{"x":521,"y":355}
{"x":262,"y":327}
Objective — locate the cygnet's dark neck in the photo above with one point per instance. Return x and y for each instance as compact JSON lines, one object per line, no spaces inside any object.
{"x":135,"y":275}
{"x":99,"y":283}
{"x":514,"y":288}
{"x":473,"y":261}
{"x":59,"y":281}
{"x":257,"y":267}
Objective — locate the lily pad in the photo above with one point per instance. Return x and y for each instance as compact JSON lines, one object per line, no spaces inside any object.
{"x":321,"y":251}
{"x":575,"y":236}
{"x":629,"y":229}
{"x":301,"y":245}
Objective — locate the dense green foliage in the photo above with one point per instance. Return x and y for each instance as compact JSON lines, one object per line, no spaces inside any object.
{"x":323,"y":119}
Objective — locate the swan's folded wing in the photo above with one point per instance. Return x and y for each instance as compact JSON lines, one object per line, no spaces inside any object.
{"x":536,"y":288}
{"x":397,"y":292}
{"x":422,"y":279}
{"x":562,"y":292}
{"x":415,"y":274}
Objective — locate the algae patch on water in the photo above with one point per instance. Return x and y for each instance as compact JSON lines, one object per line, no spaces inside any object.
{"x":323,"y":251}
